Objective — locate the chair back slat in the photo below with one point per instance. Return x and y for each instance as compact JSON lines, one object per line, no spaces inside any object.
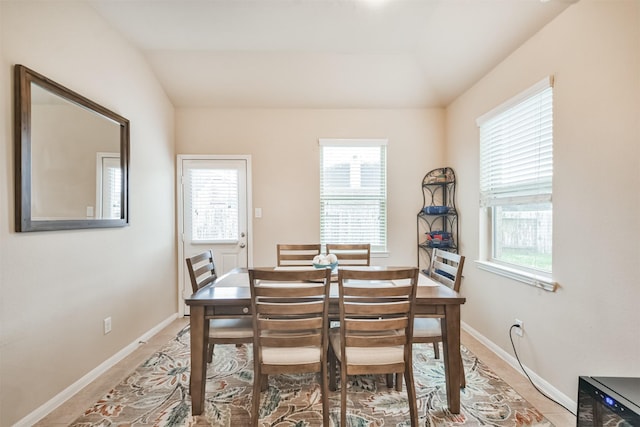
{"x":288,"y":342}
{"x":287,"y":290}
{"x":373,"y":308}
{"x":351,"y":254}
{"x":376,"y":289}
{"x":288,"y":324}
{"x":367,"y":324}
{"x":297,"y":254}
{"x":286,"y":308}
{"x":375,"y":341}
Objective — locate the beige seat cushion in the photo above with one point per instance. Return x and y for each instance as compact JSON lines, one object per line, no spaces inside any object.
{"x":290,"y":356}
{"x":426,"y":327}
{"x":231,"y":328}
{"x":367,"y":355}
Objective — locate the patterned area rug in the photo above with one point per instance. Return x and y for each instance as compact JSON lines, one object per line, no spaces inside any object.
{"x":157,"y":394}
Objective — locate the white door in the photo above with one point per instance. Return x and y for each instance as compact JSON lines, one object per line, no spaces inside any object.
{"x":214,"y":205}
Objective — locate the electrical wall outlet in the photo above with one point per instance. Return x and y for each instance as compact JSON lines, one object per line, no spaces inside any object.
{"x":520,"y":329}
{"x":107,"y":325}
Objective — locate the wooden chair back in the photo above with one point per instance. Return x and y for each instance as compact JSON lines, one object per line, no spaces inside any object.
{"x":290,"y":321}
{"x":376,"y":319}
{"x":446,"y":268}
{"x":351,"y":254}
{"x":297,"y":254}
{"x":202,"y":270}
{"x":374,"y":307}
{"x":228,"y":330}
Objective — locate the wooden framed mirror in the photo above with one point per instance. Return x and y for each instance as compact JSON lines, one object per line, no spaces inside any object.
{"x":71,"y":158}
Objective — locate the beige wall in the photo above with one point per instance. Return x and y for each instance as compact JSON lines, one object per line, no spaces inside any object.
{"x":56,"y":287}
{"x":285,"y":156}
{"x":590,"y":325}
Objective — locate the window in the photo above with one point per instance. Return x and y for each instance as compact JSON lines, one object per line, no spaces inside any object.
{"x":112,"y":185}
{"x":214,"y":206}
{"x":516,"y":172}
{"x":353,"y":192}
{"x":108,"y":186}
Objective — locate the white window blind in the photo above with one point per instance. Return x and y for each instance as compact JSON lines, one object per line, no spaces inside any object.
{"x":109,"y":186}
{"x":516,"y":148}
{"x":214,"y":204}
{"x":353,"y":192}
{"x":113,"y":188}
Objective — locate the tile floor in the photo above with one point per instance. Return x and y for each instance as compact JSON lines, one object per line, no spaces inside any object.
{"x":73,"y":408}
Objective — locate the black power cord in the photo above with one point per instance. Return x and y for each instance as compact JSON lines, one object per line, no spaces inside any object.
{"x":527,"y":375}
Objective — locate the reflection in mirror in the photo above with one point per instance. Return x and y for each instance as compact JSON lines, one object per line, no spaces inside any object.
{"x":71,"y":158}
{"x":64,"y":170}
{"x":108,"y":186}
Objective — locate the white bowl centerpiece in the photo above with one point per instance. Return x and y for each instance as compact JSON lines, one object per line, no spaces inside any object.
{"x":324,"y":261}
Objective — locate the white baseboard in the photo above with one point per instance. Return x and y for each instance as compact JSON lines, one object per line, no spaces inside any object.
{"x":74,"y":388}
{"x":543,"y":385}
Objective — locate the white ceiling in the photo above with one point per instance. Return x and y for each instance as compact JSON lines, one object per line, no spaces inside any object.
{"x":324,"y":53}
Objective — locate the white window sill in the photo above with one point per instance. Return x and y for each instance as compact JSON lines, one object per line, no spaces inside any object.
{"x":521,"y":276}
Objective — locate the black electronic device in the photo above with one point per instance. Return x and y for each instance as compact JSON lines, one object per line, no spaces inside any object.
{"x":608,"y":401}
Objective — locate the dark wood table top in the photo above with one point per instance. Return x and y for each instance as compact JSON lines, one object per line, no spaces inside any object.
{"x":233,"y":288}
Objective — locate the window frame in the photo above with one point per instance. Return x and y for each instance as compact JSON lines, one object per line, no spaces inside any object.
{"x":379,"y":249}
{"x":490,"y":201}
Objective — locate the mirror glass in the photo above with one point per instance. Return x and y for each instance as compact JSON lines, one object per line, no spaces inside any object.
{"x":72,"y":153}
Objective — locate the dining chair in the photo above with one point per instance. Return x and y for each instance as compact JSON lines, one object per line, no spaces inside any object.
{"x":232,"y":330}
{"x":351,"y":254}
{"x":290,"y":316}
{"x":446,"y":268}
{"x":374,"y":336}
{"x":297,"y":254}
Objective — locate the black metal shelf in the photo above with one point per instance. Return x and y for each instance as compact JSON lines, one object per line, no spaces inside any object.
{"x":439,"y":190}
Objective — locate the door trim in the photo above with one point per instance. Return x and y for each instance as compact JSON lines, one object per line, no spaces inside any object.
{"x":180,"y":213}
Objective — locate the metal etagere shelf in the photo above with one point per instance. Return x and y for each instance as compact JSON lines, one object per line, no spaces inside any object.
{"x":437,"y":221}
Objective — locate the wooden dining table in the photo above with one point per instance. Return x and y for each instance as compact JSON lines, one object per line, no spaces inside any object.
{"x":230,"y":295}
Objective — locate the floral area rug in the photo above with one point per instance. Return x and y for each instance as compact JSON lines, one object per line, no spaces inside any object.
{"x":157,"y":394}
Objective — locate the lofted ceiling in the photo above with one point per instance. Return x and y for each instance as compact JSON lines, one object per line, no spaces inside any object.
{"x":324,"y":53}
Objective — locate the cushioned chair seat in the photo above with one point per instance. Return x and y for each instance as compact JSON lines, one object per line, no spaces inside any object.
{"x":290,"y":356}
{"x":368,"y":355}
{"x":424,"y":327}
{"x":231,"y":328}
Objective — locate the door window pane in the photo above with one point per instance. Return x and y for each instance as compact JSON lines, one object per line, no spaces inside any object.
{"x":214,"y":204}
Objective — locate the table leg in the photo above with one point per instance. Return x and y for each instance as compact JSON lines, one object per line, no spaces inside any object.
{"x":199,"y":332}
{"x":451,"y":344}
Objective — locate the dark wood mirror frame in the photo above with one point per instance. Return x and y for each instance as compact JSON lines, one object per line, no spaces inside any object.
{"x":23,"y":79}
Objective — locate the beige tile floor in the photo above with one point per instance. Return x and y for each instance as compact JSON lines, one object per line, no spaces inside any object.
{"x":73,"y":408}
